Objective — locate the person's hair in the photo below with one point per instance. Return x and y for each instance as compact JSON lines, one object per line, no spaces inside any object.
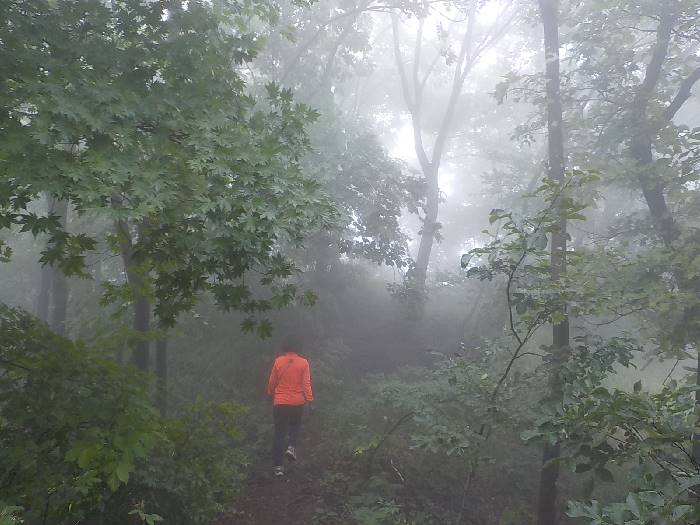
{"x":292,"y":343}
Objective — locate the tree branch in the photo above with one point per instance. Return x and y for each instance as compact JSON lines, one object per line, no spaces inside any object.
{"x":684,"y":92}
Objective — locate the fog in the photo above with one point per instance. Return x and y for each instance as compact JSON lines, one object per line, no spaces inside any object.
{"x":476,"y":221}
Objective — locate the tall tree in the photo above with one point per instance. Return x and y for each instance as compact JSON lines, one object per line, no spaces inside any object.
{"x":414,"y":81}
{"x":202,"y":180}
{"x":635,"y":115}
{"x":52,"y":299}
{"x":644,"y":129}
{"x":549,"y":12}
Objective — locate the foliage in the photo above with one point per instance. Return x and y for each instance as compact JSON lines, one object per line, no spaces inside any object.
{"x":81,"y":440}
{"x":370,"y":190}
{"x":518,"y":253}
{"x":652,"y":431}
{"x":74,"y":425}
{"x":153,"y":129}
{"x":379,"y":512}
{"x":608,"y":428}
{"x":195,"y":472}
{"x":446,"y":408}
{"x":144,"y":517}
{"x":9,"y":515}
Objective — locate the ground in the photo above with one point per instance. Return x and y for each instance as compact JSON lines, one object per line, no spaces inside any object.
{"x":288,"y":500}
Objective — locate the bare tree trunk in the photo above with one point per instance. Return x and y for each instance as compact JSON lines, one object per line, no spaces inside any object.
{"x":44,"y":297}
{"x":59,"y":282}
{"x":429,"y":230}
{"x":142,"y":322}
{"x":642,"y":133}
{"x":549,"y":10}
{"x":696,"y":435}
{"x":162,"y":375}
{"x":42,"y":303}
{"x":54,"y":286}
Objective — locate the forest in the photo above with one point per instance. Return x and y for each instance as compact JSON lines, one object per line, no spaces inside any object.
{"x":477,"y":221}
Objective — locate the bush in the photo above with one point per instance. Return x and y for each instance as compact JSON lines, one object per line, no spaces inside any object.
{"x":80,"y":440}
{"x":9,"y":515}
{"x":194,"y":473}
{"x":73,"y":424}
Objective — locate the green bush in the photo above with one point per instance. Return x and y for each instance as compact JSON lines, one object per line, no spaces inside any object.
{"x":9,"y":514}
{"x":72,"y":424}
{"x":193,"y":474}
{"x":80,"y":440}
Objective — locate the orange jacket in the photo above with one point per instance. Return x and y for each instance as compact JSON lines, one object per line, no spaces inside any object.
{"x":290,"y":380}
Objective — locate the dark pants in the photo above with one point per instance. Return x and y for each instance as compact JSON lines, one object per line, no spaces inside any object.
{"x":287,"y":419}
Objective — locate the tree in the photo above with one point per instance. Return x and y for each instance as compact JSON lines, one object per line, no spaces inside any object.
{"x":647,"y":84}
{"x":549,"y":11}
{"x":202,"y":182}
{"x":413,"y":84}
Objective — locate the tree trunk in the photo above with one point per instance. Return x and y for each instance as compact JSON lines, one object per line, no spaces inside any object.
{"x":59,"y":282}
{"x":44,"y":297}
{"x":413,"y":86}
{"x":549,"y":10}
{"x":135,"y":279}
{"x":142,"y":322}
{"x":427,"y":236}
{"x":42,"y":303}
{"x":641,"y":151}
{"x":162,"y":375}
{"x":642,"y":133}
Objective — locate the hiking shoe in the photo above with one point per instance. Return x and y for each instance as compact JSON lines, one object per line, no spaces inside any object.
{"x":279,"y":471}
{"x":291,"y":453}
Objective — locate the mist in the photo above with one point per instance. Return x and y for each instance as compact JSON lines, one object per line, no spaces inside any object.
{"x":349,"y":262}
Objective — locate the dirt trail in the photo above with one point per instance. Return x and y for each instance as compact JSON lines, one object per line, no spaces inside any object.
{"x":291,"y":499}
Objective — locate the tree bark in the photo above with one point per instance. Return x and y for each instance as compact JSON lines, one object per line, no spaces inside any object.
{"x":549,"y":11}
{"x":52,"y":301}
{"x":142,"y":322}
{"x":42,"y":303}
{"x":642,"y":136}
{"x":135,"y":278}
{"x":429,"y":230}
{"x":162,"y":375}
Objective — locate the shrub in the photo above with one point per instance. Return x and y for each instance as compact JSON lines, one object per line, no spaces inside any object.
{"x":73,"y":424}
{"x":80,"y":440}
{"x":193,"y":474}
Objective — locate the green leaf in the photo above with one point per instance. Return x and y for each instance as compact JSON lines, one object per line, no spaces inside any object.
{"x":634,"y":504}
{"x":248,"y":326}
{"x":540,"y":242}
{"x":604,"y":475}
{"x":123,"y":470}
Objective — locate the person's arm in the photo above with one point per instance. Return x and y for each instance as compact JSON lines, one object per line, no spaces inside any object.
{"x":272,"y":382}
{"x":308,"y":393}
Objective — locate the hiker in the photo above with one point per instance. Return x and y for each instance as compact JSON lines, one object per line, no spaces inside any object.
{"x":289,"y":387}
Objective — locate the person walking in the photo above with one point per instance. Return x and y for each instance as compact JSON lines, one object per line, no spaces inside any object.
{"x":289,"y":387}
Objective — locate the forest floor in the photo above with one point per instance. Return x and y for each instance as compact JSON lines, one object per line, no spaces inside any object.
{"x":291,"y":499}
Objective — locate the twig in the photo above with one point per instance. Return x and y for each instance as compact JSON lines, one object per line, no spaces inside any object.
{"x":373,"y":453}
{"x":673,"y":369}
